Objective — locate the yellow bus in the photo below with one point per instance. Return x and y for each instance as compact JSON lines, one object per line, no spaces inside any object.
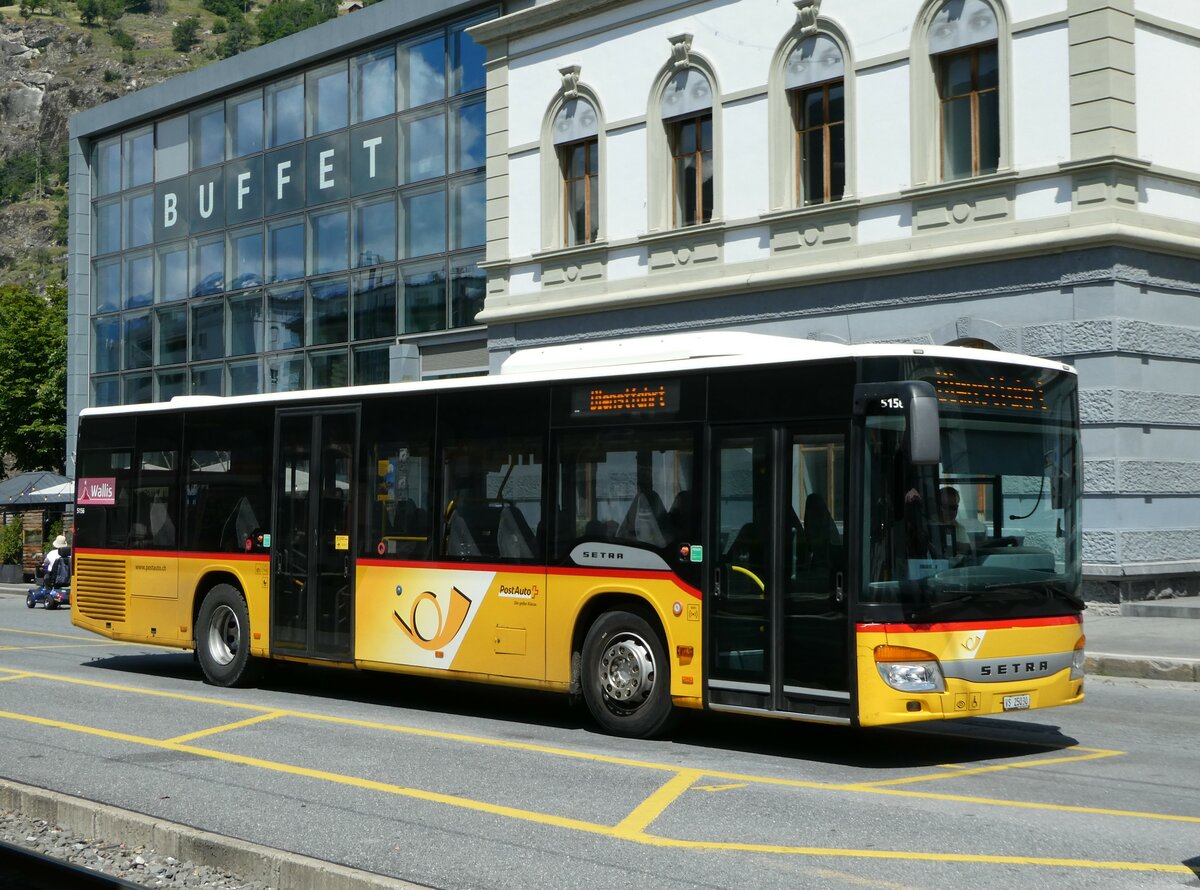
{"x":863,"y":535}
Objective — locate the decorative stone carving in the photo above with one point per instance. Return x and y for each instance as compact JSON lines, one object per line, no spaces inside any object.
{"x":808,"y":10}
{"x":570,"y":81}
{"x":681,"y":49}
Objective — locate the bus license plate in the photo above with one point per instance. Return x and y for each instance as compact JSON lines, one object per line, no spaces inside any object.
{"x":1016,"y":702}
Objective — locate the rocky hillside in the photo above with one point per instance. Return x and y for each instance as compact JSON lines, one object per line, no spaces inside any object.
{"x":53,"y":64}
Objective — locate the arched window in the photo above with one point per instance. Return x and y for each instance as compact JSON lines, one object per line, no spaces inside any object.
{"x":814,"y":77}
{"x":687,"y":115}
{"x":964,"y":52}
{"x":577,"y":146}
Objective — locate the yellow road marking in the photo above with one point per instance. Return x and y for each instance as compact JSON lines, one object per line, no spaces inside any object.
{"x":1096,"y":754}
{"x":20,"y":676}
{"x":42,"y":633}
{"x":859,"y":788}
{"x":728,"y":787}
{"x":652,"y":807}
{"x":249,"y":721}
{"x":626,"y":830}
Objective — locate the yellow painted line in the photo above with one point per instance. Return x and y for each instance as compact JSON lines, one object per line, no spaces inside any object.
{"x":628,"y":829}
{"x":249,"y":721}
{"x":861,"y":788}
{"x":652,"y":807}
{"x":728,"y":787}
{"x":20,"y":676}
{"x":42,"y":633}
{"x":1095,"y":754}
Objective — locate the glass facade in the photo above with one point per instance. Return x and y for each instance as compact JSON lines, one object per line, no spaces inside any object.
{"x":282,"y":237}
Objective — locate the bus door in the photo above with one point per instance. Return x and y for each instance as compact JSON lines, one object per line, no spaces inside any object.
{"x":777,"y":617}
{"x":312,"y":555}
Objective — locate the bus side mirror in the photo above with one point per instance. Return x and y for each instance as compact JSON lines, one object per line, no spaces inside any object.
{"x":917,"y":400}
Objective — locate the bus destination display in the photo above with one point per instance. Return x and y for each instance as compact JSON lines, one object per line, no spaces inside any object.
{"x":995,"y":392}
{"x":625,"y":399}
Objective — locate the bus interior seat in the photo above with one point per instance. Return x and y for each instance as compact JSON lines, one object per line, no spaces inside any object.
{"x":514,"y":538}
{"x":459,"y":539}
{"x":239,"y":525}
{"x":162,"y":527}
{"x":646,"y":520}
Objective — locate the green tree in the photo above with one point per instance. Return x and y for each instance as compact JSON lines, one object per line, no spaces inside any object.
{"x":111,"y":11}
{"x":89,"y":11}
{"x":33,"y":376}
{"x":12,"y":538}
{"x":238,"y":38}
{"x":183,"y":35}
{"x":284,"y":17}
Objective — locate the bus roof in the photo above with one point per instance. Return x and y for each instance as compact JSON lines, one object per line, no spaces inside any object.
{"x":695,"y":350}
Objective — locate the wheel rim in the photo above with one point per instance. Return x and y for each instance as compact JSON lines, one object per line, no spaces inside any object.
{"x":224,"y":635}
{"x":627,"y":672}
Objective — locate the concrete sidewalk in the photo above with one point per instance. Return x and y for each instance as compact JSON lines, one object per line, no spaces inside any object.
{"x":1152,"y":640}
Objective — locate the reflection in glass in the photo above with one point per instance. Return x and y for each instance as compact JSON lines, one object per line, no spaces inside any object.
{"x":208,"y":266}
{"x":139,"y":280}
{"x":371,"y":365}
{"x":330,"y":241}
{"x":285,"y":373}
{"x":172,"y":273}
{"x":466,"y":61}
{"x":245,"y":115}
{"x":424,"y":298}
{"x":374,"y":84}
{"x":139,"y":158}
{"x":106,"y":286}
{"x":285,"y":112}
{"x":246,"y":324}
{"x":285,"y":318}
{"x":208,"y":136}
{"x":172,"y":336}
{"x":171,"y":148}
{"x":329,"y":369}
{"x":468,"y":287}
{"x":246,"y":258}
{"x":208,"y":330}
{"x":245,"y":378}
{"x":422,"y":70}
{"x":106,"y":345}
{"x":208,"y":381}
{"x":423,"y":147}
{"x":139,"y":341}
{"x":424,"y":221}
{"x":468,"y":148}
{"x":375,"y":232}
{"x":108,"y":167}
{"x":375,"y":304}
{"x":330,"y":307}
{"x":328,"y":99}
{"x":139,"y":220}
{"x":468,"y":204}
{"x":171,"y":384}
{"x":285,"y":250}
{"x":106,"y":391}
{"x":139,"y":389}
{"x":108,"y":227}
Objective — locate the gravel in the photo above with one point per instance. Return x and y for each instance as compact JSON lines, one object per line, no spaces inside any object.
{"x":138,"y":865}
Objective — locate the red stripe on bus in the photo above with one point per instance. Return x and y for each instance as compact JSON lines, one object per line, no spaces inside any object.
{"x":568,"y":571}
{"x":174,"y":554}
{"x":998,"y":624}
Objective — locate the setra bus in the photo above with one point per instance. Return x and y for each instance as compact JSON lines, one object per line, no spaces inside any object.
{"x":862,"y":535}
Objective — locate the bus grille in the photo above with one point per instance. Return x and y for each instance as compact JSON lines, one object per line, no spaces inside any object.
{"x":100,"y":588}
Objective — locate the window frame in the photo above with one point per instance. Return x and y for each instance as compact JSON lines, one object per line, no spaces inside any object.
{"x":973,"y":95}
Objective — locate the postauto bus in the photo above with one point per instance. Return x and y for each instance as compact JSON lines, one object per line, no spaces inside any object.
{"x":864,"y":535}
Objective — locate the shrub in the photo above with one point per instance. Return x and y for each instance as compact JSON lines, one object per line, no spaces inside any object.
{"x":183,"y":35}
{"x":10,"y":542}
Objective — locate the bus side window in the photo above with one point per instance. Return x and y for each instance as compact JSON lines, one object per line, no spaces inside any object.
{"x":396,"y":482}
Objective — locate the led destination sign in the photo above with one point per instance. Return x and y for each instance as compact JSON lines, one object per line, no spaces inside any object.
{"x":1012,"y":393}
{"x":626,"y":399}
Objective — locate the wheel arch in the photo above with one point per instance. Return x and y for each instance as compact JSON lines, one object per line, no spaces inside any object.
{"x":596,"y":606}
{"x":206,"y":583}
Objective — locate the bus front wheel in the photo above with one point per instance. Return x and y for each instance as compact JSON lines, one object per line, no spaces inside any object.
{"x":223,"y":638}
{"x":626,"y":675}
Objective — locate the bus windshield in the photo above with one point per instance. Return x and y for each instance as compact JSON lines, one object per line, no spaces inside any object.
{"x":993,"y":529}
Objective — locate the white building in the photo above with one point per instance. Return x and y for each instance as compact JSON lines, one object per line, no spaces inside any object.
{"x":1021,"y":173}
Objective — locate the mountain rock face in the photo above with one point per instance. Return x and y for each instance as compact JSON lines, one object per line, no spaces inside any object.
{"x":49,"y":69}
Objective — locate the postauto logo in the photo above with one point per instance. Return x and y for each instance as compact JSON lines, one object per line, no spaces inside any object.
{"x":425,"y":623}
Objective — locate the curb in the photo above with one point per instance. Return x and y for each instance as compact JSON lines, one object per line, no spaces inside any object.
{"x":1143,"y":667}
{"x":250,"y":861}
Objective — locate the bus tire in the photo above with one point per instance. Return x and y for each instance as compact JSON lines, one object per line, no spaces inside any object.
{"x":223,"y":638}
{"x":626,"y":676}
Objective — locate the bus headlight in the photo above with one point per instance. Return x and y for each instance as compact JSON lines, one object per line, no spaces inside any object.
{"x":909,"y":670}
{"x":1079,"y":659}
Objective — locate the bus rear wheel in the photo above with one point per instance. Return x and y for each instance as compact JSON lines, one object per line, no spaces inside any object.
{"x":223,"y":638}
{"x":626,"y":676}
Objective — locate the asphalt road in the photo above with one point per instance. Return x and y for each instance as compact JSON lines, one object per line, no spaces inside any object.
{"x":460,"y":786}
